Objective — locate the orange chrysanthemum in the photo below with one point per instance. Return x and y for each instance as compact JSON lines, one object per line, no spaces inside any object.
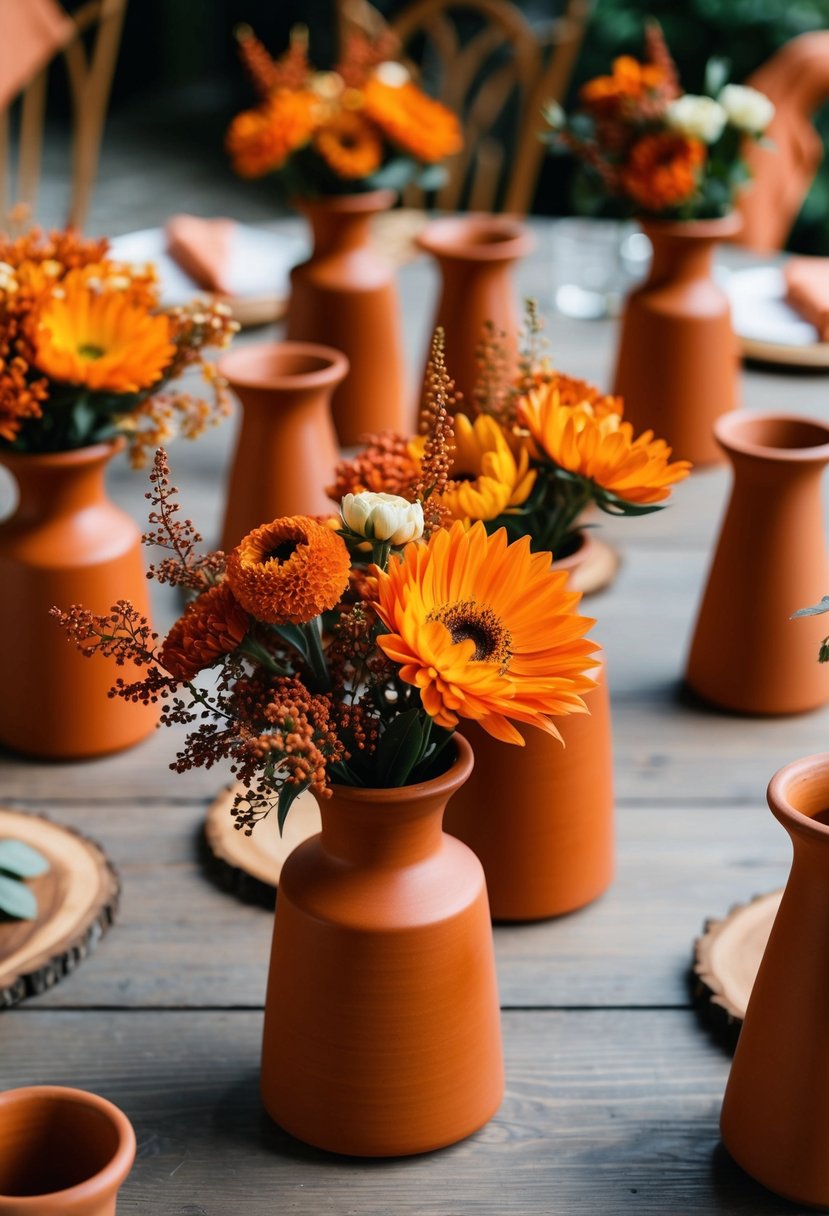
{"x":629,"y":82}
{"x":593,"y":442}
{"x":101,"y":339}
{"x":417,"y":124}
{"x":486,"y":631}
{"x":572,"y":391}
{"x":260,"y":141}
{"x":349,"y":145}
{"x":289,"y":571}
{"x":212,"y":626}
{"x":662,"y":170}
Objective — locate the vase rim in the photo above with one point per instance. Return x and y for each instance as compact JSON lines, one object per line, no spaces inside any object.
{"x":584,"y":543}
{"x":253,"y":366}
{"x":477,"y":236}
{"x":716,"y":229}
{"x":358,"y":203}
{"x":444,"y":783}
{"x":732,"y":431}
{"x":808,"y":776}
{"x":67,"y":456}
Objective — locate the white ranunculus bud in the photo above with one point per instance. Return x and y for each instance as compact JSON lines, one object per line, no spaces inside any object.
{"x":697,"y":117}
{"x":392,"y":73}
{"x":383,"y":517}
{"x":747,"y":109}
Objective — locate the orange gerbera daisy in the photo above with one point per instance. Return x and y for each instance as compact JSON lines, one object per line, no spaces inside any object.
{"x":212,"y":626}
{"x":349,"y":145}
{"x":260,"y":141}
{"x":417,"y":124}
{"x":289,"y":571}
{"x":593,"y":442}
{"x":101,"y":339}
{"x":662,"y":170}
{"x":486,"y":631}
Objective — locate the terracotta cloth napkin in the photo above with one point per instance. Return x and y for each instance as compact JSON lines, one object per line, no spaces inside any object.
{"x":31,"y":31}
{"x":807,"y":291}
{"x":203,"y":249}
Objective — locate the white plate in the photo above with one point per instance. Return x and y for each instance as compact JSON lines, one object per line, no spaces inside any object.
{"x":767,"y":327}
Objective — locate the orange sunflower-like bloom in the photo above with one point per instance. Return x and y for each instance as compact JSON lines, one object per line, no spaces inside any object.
{"x":592,"y":441}
{"x":629,"y":82}
{"x":350,"y":145}
{"x":212,"y":626}
{"x":260,"y":141}
{"x":411,"y":121}
{"x":662,"y":170}
{"x":289,"y":571}
{"x":486,"y":631}
{"x":101,"y":339}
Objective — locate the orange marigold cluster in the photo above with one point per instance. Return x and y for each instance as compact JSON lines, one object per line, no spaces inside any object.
{"x":629,"y":82}
{"x":385,"y":465}
{"x":289,"y":571}
{"x":573,"y":392}
{"x":212,"y":626}
{"x":349,"y":145}
{"x":415,"y":123}
{"x":662,"y":170}
{"x":261,"y":140}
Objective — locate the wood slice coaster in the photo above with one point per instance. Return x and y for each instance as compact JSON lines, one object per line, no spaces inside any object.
{"x":250,"y":866}
{"x":77,"y":900}
{"x":726,"y":960}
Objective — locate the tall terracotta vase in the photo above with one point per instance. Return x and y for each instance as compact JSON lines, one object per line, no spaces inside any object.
{"x":775,"y":1117}
{"x":345,"y":296}
{"x":382,"y":1032}
{"x":65,"y":544}
{"x":678,"y":361}
{"x":476,"y":254}
{"x":287,"y":448}
{"x":540,"y":818}
{"x":746,"y":654}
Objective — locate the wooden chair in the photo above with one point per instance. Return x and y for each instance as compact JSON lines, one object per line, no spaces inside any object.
{"x":90,"y":58}
{"x":483,"y":59}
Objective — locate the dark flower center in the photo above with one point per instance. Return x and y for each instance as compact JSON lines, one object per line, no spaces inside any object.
{"x":469,"y":621}
{"x":88,"y":351}
{"x":281,"y":552}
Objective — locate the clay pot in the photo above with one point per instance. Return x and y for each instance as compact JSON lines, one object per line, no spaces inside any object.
{"x":592,"y":563}
{"x":65,"y":544}
{"x":287,"y":447}
{"x":678,"y":359}
{"x":475,"y":254}
{"x":344,"y":296}
{"x":775,"y":1119}
{"x":540,"y":818}
{"x":382,"y":1032}
{"x":746,"y":654}
{"x":62,"y":1151}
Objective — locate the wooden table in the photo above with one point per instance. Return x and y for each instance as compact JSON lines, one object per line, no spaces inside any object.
{"x":613,"y":1086}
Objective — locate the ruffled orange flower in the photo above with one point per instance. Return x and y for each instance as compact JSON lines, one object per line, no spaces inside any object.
{"x":630,"y":81}
{"x":415,"y":123}
{"x":486,"y":631}
{"x":101,"y":339}
{"x":349,"y":145}
{"x":386,"y":465}
{"x":662,"y":170}
{"x":260,"y":141}
{"x":289,"y":571}
{"x":593,"y":442}
{"x":212,"y":626}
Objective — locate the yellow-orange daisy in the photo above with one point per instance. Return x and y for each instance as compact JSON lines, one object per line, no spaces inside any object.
{"x":349,"y":145}
{"x":260,"y":141}
{"x":486,"y":631}
{"x":487,"y":477}
{"x":212,"y":626}
{"x":289,"y":571}
{"x":417,"y":124}
{"x":662,"y":170}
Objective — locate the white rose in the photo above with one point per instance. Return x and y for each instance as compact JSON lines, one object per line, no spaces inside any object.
{"x":392,"y":73}
{"x":747,"y":109}
{"x":383,"y":517}
{"x":697,"y":117}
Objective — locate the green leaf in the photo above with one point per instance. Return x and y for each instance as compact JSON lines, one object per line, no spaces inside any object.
{"x":717,"y":71}
{"x":287,"y":797}
{"x":611,"y":505}
{"x":394,"y":175}
{"x":814,"y":610}
{"x":294,"y":635}
{"x":433,"y":177}
{"x":399,"y":749}
{"x":16,"y":899}
{"x":21,"y":860}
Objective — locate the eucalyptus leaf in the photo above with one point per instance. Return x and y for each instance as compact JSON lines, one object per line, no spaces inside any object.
{"x":433,"y":177}
{"x":16,"y":899}
{"x":21,"y":859}
{"x":399,"y":749}
{"x":287,"y":797}
{"x":814,"y":610}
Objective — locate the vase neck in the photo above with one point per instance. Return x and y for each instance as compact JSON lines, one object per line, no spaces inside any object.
{"x":680,"y":256}
{"x":60,"y":483}
{"x":341,"y":225}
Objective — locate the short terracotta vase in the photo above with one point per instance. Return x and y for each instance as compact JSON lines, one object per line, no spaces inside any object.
{"x":382,"y":1030}
{"x":63,"y":1152}
{"x":677,"y":364}
{"x":540,"y":818}
{"x":287,"y":447}
{"x":65,"y":544}
{"x":476,"y":254}
{"x":345,"y":296}
{"x":775,"y":1118}
{"x":746,"y":654}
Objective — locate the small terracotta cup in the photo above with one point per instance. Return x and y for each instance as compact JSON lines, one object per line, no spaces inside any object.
{"x":61,"y":1151}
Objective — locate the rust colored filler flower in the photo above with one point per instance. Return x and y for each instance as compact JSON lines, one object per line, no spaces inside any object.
{"x":289,"y":571}
{"x":662,"y":170}
{"x":212,"y":626}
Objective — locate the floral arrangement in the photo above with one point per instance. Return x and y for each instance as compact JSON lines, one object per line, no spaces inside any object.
{"x":540,"y":448}
{"x":363,"y":126}
{"x":660,"y":151}
{"x":87,"y":352}
{"x":348,"y":650}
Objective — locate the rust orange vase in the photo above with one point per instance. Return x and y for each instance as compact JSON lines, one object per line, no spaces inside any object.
{"x":775,"y":1118}
{"x":65,"y":544}
{"x":540,"y":818}
{"x":746,"y":654}
{"x":677,"y":365}
{"x":287,"y":447}
{"x":476,"y":255}
{"x":382,"y":1030}
{"x":345,"y":296}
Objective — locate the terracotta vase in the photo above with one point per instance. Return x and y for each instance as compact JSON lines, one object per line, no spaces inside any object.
{"x":65,"y":544}
{"x":345,"y":296}
{"x":476,"y":254}
{"x":775,"y":1118}
{"x":677,"y":363}
{"x":746,"y":653}
{"x":540,"y":818}
{"x":382,"y":1032}
{"x":63,"y":1152}
{"x":287,"y":447}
